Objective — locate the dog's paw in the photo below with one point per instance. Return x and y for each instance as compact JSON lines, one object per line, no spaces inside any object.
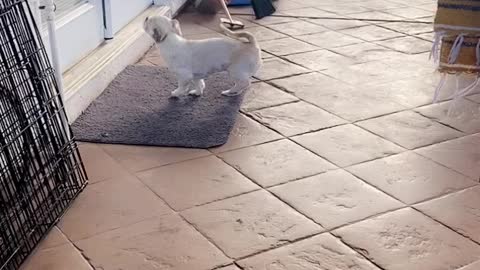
{"x":195,"y":92}
{"x":230,"y":93}
{"x":176,"y":93}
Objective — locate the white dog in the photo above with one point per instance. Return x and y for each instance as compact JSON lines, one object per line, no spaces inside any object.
{"x":193,"y":60}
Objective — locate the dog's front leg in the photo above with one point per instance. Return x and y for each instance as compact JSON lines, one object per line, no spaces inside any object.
{"x":198,"y":87}
{"x":182,"y":89}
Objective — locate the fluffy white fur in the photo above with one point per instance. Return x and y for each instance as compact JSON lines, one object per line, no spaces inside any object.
{"x":193,"y":60}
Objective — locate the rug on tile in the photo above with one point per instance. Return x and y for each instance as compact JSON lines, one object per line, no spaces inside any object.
{"x":137,"y":109}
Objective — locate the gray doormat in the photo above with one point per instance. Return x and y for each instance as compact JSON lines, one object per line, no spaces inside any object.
{"x":136,"y":108}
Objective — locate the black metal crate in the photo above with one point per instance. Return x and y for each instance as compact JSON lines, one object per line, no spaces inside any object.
{"x":41,"y":170}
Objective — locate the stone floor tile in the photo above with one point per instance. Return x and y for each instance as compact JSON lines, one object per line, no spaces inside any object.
{"x":109,"y":205}
{"x":53,"y":239}
{"x":308,"y":12}
{"x":335,"y":198}
{"x":464,"y":114}
{"x":409,"y":129}
{"x":296,"y":118}
{"x":191,"y":28}
{"x":462,"y":155}
{"x":474,"y":98}
{"x":473,"y":266}
{"x":344,"y":9}
{"x":338,"y":24}
{"x":195,"y":182}
{"x":411,"y":45}
{"x":320,"y":60}
{"x":408,"y":28}
{"x":277,"y":68}
{"x":276,"y":162}
{"x":329,"y":39}
{"x":240,"y":227}
{"x":411,"y":178}
{"x":409,"y":92}
{"x":347,"y":145}
{"x":426,"y":36}
{"x":165,"y":242}
{"x":262,"y":33}
{"x":319,"y":252}
{"x":247,"y":132}
{"x":371,"y":33}
{"x":57,"y":258}
{"x":366,"y":52}
{"x":206,"y":36}
{"x":298,"y":28}
{"x":349,"y":102}
{"x":412,"y":2}
{"x":381,"y":5}
{"x":428,"y":5}
{"x":376,"y":15}
{"x":99,"y":165}
{"x":137,"y":158}
{"x":285,"y":46}
{"x":459,"y":211}
{"x":262,"y":95}
{"x":410,"y":12}
{"x":271,"y":20}
{"x":406,"y":239}
{"x":367,"y":73}
{"x":412,"y":65}
{"x":287,"y":5}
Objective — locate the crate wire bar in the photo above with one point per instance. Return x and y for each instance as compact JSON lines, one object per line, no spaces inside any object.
{"x":41,"y":171}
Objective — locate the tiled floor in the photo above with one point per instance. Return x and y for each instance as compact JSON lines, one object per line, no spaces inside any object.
{"x":337,"y":162}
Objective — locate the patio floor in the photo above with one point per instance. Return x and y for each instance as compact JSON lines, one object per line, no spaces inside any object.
{"x":337,"y":161}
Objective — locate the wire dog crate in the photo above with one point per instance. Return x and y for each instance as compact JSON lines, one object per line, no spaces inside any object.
{"x":41,"y":171}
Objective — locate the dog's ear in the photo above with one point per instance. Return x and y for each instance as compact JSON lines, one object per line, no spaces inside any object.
{"x":145,"y":22}
{"x":176,"y":27}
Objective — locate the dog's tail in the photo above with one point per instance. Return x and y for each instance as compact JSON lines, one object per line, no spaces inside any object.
{"x":240,"y":34}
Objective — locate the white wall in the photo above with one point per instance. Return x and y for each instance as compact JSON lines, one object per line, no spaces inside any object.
{"x":174,"y":5}
{"x":124,"y":11}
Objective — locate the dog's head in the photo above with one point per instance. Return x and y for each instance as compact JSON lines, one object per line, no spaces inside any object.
{"x":159,"y":27}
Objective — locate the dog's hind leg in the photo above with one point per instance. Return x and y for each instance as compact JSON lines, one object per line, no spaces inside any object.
{"x":198,"y":87}
{"x":240,"y":86}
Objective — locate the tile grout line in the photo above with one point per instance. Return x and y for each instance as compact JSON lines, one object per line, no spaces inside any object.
{"x":443,"y":165}
{"x":447,"y":226}
{"x":398,"y":199}
{"x":84,"y":257}
{"x":271,"y":193}
{"x":204,"y":235}
{"x":325,"y":158}
{"x":442,"y":196}
{"x":185,"y":220}
{"x":293,"y":141}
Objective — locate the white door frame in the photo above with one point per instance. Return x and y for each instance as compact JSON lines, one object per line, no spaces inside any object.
{"x":87,"y":26}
